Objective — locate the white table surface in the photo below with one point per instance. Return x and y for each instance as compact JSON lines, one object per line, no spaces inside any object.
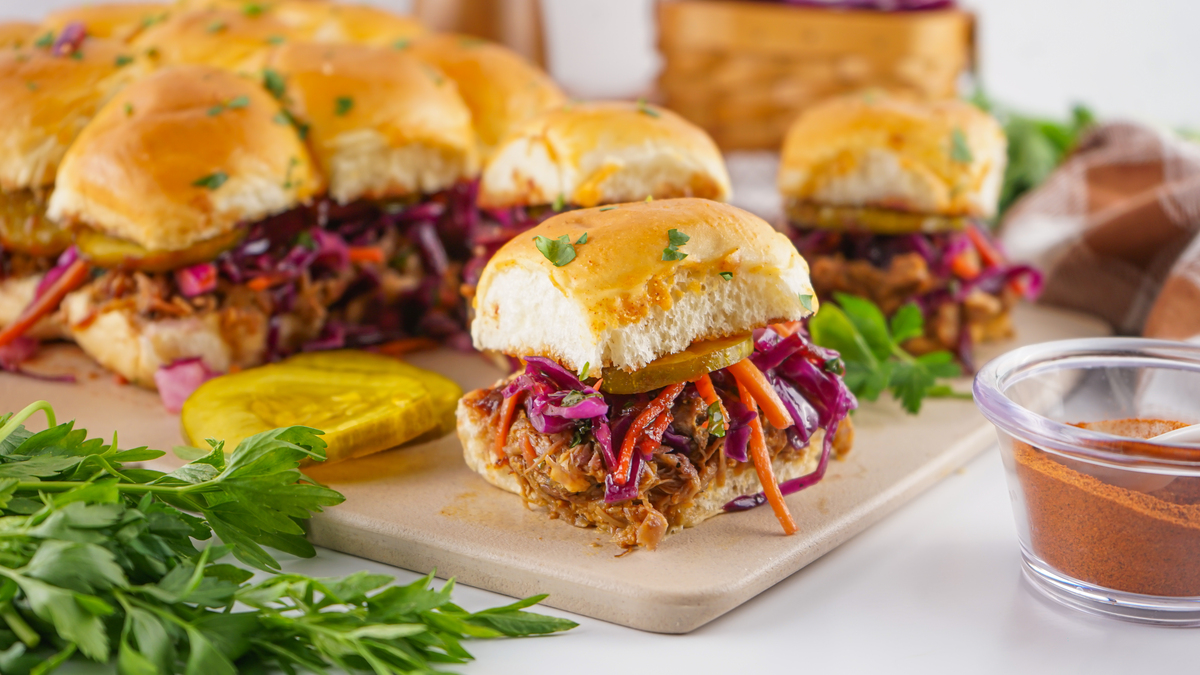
{"x":934,"y":588}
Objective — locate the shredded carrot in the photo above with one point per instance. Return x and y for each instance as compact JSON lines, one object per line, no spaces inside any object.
{"x":651,"y":412}
{"x":234,"y":369}
{"x":787,"y":328}
{"x":528,"y":451}
{"x":72,"y":278}
{"x":749,"y":376}
{"x":261,"y":283}
{"x":965,"y":265}
{"x":654,"y":434}
{"x":708,"y":393}
{"x":361,"y":254}
{"x":398,"y":348}
{"x":762,"y":466}
{"x":507,"y":410}
{"x":991,"y":257}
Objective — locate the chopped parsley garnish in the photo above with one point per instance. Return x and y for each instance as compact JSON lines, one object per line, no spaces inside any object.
{"x":607,"y":208}
{"x":212,"y":181}
{"x":575,"y":397}
{"x":253,"y":9}
{"x":306,"y":240}
{"x":582,"y":239}
{"x":285,"y":117}
{"x":288,"y":183}
{"x":806,"y":301}
{"x":402,"y":43}
{"x":716,"y":421}
{"x":153,"y":19}
{"x":274,"y":83}
{"x":645,"y":108}
{"x":557,"y":251}
{"x":276,"y":40}
{"x":727,"y":276}
{"x":77,"y":55}
{"x":560,"y":202}
{"x":231,"y":104}
{"x":342,"y":105}
{"x":583,"y":373}
{"x":44,"y":41}
{"x":217,"y":26}
{"x":675,"y":239}
{"x":959,"y":150}
{"x":31,"y":86}
{"x":128,"y":109}
{"x":123,"y":60}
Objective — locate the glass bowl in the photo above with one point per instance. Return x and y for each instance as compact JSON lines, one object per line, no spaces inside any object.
{"x":1108,"y":523}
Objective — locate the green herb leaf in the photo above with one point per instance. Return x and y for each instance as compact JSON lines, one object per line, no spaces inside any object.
{"x":274,"y":83}
{"x":128,"y":109}
{"x":806,"y":301}
{"x":276,"y":40}
{"x":907,"y":323}
{"x":238,"y":102}
{"x":402,"y":43}
{"x":557,"y":251}
{"x":342,"y":105}
{"x":46,"y":40}
{"x":607,"y":208}
{"x":645,"y":109}
{"x":716,"y":421}
{"x":583,"y":373}
{"x":212,"y":181}
{"x":727,"y":276}
{"x":560,"y":202}
{"x":582,"y":239}
{"x":217,"y":26}
{"x":675,"y":239}
{"x":960,"y":151}
{"x":123,"y":60}
{"x":253,"y":9}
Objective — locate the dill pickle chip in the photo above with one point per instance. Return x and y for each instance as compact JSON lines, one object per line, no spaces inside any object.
{"x":361,"y":412}
{"x":445,"y":392}
{"x":696,"y":360}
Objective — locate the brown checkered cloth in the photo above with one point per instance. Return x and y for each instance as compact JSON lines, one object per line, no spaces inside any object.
{"x":1115,"y":230}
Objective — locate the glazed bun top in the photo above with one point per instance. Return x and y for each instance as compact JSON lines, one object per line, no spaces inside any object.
{"x":317,"y":21}
{"x":943,"y":158}
{"x":216,"y":36}
{"x":47,"y":101}
{"x":618,"y":303}
{"x":118,"y":21}
{"x":501,"y":88}
{"x":184,"y":155}
{"x":381,"y":123}
{"x":585,"y":154}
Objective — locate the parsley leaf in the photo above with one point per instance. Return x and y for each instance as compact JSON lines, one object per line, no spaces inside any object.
{"x":560,"y":202}
{"x":212,"y":181}
{"x":558,"y":251}
{"x":806,"y":301}
{"x":46,"y":40}
{"x":123,"y":60}
{"x":959,"y":150}
{"x":402,"y":43}
{"x":716,"y":421}
{"x":675,"y":239}
{"x":342,"y":105}
{"x":253,"y":9}
{"x":872,"y":356}
{"x":582,"y":239}
{"x":727,"y":276}
{"x":645,"y":109}
{"x":274,"y":83}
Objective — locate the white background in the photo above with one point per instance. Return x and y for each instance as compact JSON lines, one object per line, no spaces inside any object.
{"x":936,"y":587}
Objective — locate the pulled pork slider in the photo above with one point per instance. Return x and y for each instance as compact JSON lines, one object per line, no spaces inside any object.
{"x":176,"y":188}
{"x":887,"y":199}
{"x":666,"y":375}
{"x":502,"y":89}
{"x":119,"y":20}
{"x":395,"y":140}
{"x":590,"y":154}
{"x":51,"y":90}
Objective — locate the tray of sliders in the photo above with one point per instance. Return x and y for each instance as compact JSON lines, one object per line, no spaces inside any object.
{"x":601,"y":355}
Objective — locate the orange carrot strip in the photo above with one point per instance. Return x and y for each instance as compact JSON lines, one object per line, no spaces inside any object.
{"x":787,"y":328}
{"x":660,"y":403}
{"x":507,"y":410}
{"x":987,"y":252}
{"x":260,"y":283}
{"x":704,"y":387}
{"x":965,"y":265}
{"x":656,"y":429}
{"x":762,"y":466}
{"x":399,"y":348}
{"x":749,"y":376}
{"x":361,"y":254}
{"x":72,"y":278}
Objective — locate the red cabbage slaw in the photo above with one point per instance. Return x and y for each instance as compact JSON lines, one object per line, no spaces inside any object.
{"x":939,"y":251}
{"x":806,"y":377}
{"x":495,"y":227}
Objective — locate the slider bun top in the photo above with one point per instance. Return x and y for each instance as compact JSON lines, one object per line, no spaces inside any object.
{"x":47,"y":101}
{"x":604,"y":153}
{"x":619,"y":304}
{"x":380,"y":122}
{"x":215,"y":36}
{"x":869,"y":150}
{"x":144,"y":169}
{"x":118,"y":20}
{"x":316,"y":21}
{"x":501,"y":88}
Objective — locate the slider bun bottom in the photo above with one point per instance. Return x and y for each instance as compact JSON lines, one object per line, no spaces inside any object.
{"x":478,"y":437}
{"x":15,"y":295}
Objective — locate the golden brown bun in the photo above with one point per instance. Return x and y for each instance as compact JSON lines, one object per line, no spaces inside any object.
{"x":47,"y":100}
{"x":223,"y":38}
{"x":604,"y":153}
{"x":15,"y":34}
{"x":477,"y":433}
{"x":332,"y":22}
{"x":134,"y":170}
{"x":381,"y":123}
{"x":619,"y":304}
{"x":501,"y":88}
{"x":945,"y":157}
{"x":119,"y":21}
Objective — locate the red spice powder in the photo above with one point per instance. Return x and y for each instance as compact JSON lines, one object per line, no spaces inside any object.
{"x":1111,"y":535}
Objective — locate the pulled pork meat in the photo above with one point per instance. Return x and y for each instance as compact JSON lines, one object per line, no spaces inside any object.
{"x":564,"y":473}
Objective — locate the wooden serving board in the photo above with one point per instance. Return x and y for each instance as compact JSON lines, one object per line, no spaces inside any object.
{"x":420,"y":508}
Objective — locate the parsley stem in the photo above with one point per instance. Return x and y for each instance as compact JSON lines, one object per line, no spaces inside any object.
{"x":11,"y":426}
{"x":22,"y":630}
{"x":901,"y":354}
{"x":65,"y":485}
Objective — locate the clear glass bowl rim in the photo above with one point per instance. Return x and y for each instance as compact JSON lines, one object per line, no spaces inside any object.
{"x":1042,"y":432}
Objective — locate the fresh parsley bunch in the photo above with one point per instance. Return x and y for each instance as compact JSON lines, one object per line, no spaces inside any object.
{"x":98,"y":559}
{"x":874,"y":360}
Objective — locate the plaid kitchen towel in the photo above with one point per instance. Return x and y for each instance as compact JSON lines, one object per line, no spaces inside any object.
{"x":1115,"y":229}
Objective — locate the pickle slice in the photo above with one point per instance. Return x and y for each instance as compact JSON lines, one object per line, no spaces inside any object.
{"x":361,"y":412}
{"x":696,"y":360}
{"x":867,"y":219}
{"x":24,"y":226}
{"x":112,"y":253}
{"x":444,"y":391}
